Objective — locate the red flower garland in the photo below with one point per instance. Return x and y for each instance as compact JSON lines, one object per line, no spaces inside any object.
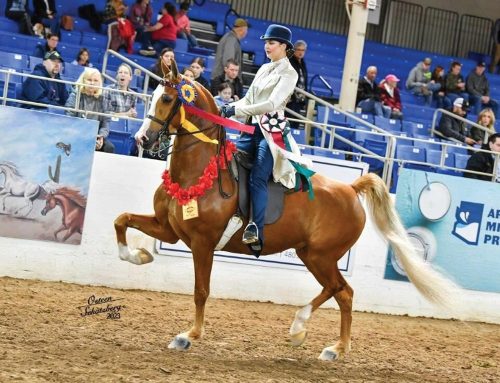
{"x":205,"y":182}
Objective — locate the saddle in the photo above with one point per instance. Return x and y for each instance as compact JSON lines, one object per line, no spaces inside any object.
{"x":276,"y":191}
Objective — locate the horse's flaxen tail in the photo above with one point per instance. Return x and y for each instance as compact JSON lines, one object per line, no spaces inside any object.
{"x":431,"y":284}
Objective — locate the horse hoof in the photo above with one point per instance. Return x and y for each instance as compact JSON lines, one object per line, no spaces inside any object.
{"x":328,"y":355}
{"x":298,"y":339}
{"x":180,"y":344}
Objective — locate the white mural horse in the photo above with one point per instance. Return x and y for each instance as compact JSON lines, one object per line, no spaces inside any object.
{"x":16,"y":186}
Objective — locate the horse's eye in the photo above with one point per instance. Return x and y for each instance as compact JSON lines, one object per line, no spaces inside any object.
{"x":166,"y":98}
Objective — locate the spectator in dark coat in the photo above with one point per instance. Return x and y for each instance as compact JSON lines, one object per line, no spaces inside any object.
{"x":369,"y":98}
{"x":478,"y":87}
{"x":230,"y":76}
{"x":453,"y":128}
{"x":45,"y":91}
{"x":197,"y":66}
{"x":390,"y":96}
{"x":49,"y":46}
{"x":45,"y":12}
{"x":455,"y":84}
{"x":483,"y":162}
{"x":230,"y":48}
{"x":298,"y":100}
{"x":18,"y":11}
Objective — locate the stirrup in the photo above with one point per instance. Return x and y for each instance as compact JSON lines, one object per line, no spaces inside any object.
{"x":251,"y":234}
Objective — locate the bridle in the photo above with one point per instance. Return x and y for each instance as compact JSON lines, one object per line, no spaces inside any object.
{"x":165,"y":133}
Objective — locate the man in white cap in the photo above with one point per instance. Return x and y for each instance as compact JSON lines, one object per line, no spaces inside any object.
{"x":229,"y":48}
{"x":451,"y":127}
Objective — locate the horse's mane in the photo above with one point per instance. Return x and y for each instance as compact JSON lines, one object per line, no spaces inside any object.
{"x":12,"y":167}
{"x":73,"y":195}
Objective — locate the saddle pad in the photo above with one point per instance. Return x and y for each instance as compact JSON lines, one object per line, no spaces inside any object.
{"x":275,"y":199}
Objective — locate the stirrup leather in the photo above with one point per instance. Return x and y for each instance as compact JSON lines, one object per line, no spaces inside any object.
{"x":251,"y":234}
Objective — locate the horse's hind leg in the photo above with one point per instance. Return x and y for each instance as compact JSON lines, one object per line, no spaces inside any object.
{"x":324,"y":268}
{"x":203,"y":260}
{"x":149,"y":225}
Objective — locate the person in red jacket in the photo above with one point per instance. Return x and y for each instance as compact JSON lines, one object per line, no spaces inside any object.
{"x":164,"y":32}
{"x":390,"y":96}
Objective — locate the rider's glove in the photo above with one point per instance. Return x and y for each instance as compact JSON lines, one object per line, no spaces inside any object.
{"x":227,"y":111}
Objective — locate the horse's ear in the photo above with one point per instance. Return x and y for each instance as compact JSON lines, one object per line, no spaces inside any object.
{"x":174,"y":70}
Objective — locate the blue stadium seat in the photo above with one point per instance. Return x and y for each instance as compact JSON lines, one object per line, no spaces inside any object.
{"x":377,"y":147}
{"x":415,"y":128}
{"x":72,"y":71}
{"x":118,"y":124}
{"x":7,"y":25}
{"x":71,"y":37}
{"x":121,"y":140}
{"x":434,"y":157}
{"x":34,"y":61}
{"x":15,"y":61}
{"x":461,"y":160}
{"x":328,"y":153}
{"x":305,"y":150}
{"x":407,"y":153}
{"x":299,"y":135}
{"x":427,"y":143}
{"x":390,"y":125}
{"x":456,"y":148}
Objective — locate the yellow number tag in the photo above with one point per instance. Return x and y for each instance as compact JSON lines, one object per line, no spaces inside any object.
{"x":190,"y":210}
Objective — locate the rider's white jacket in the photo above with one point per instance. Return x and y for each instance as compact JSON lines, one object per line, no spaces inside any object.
{"x":269,"y":92}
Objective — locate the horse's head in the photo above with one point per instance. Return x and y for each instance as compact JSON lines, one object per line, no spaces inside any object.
{"x":50,"y":203}
{"x":178,"y":90}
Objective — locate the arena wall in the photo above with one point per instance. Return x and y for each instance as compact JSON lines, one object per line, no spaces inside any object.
{"x":121,"y":184}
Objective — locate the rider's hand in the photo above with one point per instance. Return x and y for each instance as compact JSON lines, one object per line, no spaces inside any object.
{"x":227,"y":111}
{"x":140,"y":136}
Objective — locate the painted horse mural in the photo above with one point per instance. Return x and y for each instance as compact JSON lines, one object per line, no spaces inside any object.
{"x":72,"y":204}
{"x":15,"y":185}
{"x":321,"y":230}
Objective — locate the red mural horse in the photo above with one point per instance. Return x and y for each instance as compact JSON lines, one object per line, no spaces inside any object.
{"x":321,"y":230}
{"x":72,"y":204}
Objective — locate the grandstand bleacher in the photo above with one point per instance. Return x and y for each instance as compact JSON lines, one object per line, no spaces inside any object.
{"x":324,"y":57}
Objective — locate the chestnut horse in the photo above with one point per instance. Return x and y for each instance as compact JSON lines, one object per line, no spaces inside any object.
{"x":72,"y":204}
{"x":321,"y":230}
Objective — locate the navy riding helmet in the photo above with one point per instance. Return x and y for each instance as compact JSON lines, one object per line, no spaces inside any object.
{"x":278,"y":33}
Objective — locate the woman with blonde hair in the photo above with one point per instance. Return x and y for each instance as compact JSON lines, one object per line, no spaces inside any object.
{"x":487,"y":119}
{"x":89,"y":85}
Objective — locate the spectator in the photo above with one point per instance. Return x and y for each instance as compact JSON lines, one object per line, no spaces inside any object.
{"x":141,"y":15}
{"x":162,"y":66}
{"x":478,"y":87}
{"x":390,"y":96}
{"x":484,"y":162}
{"x":83,"y":58}
{"x":298,"y":100}
{"x":198,"y":67}
{"x":116,"y":102}
{"x":420,"y":82}
{"x":113,"y":10}
{"x":451,"y":127}
{"x":164,"y":32}
{"x":18,"y":11}
{"x":230,"y":76}
{"x":368,"y":98}
{"x":455,"y":84}
{"x":224,"y":94}
{"x":45,"y":12}
{"x":438,"y":77}
{"x":184,"y":25}
{"x":46,"y":91}
{"x":50,"y":45}
{"x":495,"y":57}
{"x":229,"y":48}
{"x":89,"y":84}
{"x":487,"y":119}
{"x":189,"y":73}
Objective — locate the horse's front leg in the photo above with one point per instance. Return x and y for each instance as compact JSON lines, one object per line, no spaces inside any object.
{"x":28,"y":207}
{"x":149,"y":225}
{"x":203,"y":256}
{"x":61,"y":228}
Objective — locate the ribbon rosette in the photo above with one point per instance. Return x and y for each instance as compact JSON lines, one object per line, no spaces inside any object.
{"x":187,"y":92}
{"x":273,"y":122}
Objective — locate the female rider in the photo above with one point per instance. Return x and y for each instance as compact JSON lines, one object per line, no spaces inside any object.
{"x":264,"y":103}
